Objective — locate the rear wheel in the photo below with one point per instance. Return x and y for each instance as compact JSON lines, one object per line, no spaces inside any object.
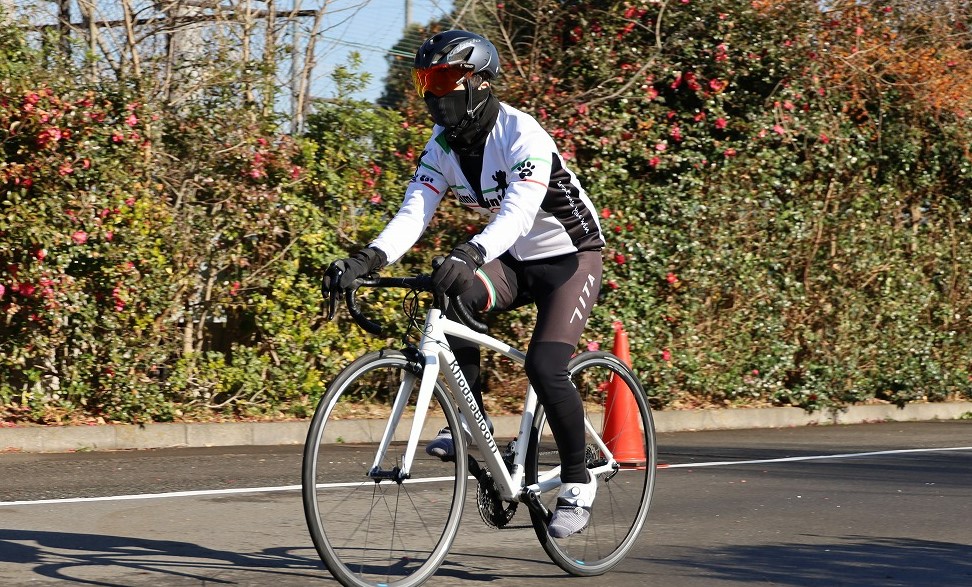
{"x":388,"y":532}
{"x":617,"y":407}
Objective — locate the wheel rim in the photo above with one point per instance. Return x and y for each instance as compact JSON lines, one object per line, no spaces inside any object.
{"x":622,"y":500}
{"x":384,"y":533}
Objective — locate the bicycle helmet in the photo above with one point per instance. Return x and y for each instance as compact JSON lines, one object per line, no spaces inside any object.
{"x":450,"y":57}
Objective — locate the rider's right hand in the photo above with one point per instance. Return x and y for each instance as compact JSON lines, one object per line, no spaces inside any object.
{"x":342,"y":273}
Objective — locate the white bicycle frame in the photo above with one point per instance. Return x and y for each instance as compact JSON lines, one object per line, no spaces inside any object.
{"x":439,"y":358}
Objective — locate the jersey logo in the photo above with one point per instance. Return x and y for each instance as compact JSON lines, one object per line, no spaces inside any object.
{"x":526,"y":170}
{"x":501,"y":186}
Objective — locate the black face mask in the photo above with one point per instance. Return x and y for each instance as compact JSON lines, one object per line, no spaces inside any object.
{"x":448,"y":110}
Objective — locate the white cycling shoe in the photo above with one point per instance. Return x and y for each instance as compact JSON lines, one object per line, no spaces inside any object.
{"x":573,"y":512}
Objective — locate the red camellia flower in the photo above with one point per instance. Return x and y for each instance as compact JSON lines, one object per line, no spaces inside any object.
{"x":720,"y":123}
{"x":620,"y":259}
{"x":605,"y":213}
{"x":666,"y":355}
{"x":80,"y":237}
{"x":671,"y":278}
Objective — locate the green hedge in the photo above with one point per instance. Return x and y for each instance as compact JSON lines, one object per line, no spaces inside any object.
{"x":782,"y":229}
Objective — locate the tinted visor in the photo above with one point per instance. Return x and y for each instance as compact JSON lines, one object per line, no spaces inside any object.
{"x":439,"y":80}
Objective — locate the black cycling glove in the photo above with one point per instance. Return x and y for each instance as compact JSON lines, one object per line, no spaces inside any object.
{"x":456,"y":274}
{"x":342,"y":272}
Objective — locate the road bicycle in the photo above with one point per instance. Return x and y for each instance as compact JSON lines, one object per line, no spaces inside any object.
{"x":382,"y":512}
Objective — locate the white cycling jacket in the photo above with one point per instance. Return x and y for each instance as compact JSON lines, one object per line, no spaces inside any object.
{"x":536,"y":206}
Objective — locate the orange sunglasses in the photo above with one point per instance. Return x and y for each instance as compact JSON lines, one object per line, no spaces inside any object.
{"x":441,"y":79}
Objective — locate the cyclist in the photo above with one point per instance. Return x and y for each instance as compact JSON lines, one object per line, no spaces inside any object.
{"x":541,"y":243}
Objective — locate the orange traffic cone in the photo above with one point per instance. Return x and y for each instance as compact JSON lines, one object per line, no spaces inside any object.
{"x":622,"y":430}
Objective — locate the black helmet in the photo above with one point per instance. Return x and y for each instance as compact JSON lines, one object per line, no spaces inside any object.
{"x":460,"y":49}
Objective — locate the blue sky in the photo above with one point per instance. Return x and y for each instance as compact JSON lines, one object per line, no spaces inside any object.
{"x":371,"y":28}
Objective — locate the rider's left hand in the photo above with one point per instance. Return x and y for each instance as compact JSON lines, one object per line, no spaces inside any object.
{"x":456,"y":274}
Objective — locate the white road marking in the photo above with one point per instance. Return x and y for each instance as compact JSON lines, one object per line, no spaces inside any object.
{"x":212,"y":492}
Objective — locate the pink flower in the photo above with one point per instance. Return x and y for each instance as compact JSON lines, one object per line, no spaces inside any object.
{"x":235,"y":288}
{"x":375,"y":199}
{"x":671,"y":278}
{"x":80,"y":237}
{"x":65,"y":168}
{"x":654,"y":161}
{"x":717,"y":85}
{"x":720,"y":123}
{"x":295,"y":171}
{"x":620,"y":259}
{"x":132,"y":120}
{"x":117,"y":137}
{"x":778,"y":129}
{"x":593,"y":345}
{"x":109,"y":235}
{"x":605,"y":213}
{"x":48,"y":136}
{"x":40,"y":254}
{"x":666,"y":355}
{"x":824,"y":138}
{"x":730,"y":152}
{"x":660,"y":147}
{"x":3,"y":290}
{"x":613,"y":284}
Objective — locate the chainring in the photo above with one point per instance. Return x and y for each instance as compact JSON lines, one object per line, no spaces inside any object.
{"x":495,"y":512}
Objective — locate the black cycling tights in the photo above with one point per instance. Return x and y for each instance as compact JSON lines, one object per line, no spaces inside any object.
{"x":564,"y":290}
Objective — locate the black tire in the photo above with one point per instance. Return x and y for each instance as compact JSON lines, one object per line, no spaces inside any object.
{"x":622,"y":501}
{"x":386,"y":533}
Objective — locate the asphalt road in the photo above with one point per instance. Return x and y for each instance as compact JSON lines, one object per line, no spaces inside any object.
{"x":859,"y":505}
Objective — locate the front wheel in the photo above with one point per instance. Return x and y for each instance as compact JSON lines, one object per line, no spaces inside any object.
{"x":616,"y":405}
{"x":371,"y":531}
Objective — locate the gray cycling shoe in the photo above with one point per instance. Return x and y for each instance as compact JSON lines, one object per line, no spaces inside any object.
{"x":573,"y":512}
{"x":442,"y":445}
